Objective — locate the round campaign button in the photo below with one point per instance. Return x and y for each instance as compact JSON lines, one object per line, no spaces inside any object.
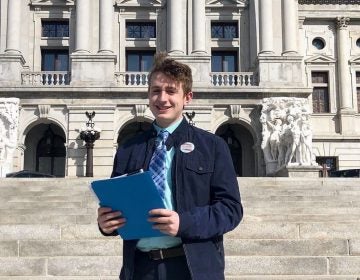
{"x":187,"y":147}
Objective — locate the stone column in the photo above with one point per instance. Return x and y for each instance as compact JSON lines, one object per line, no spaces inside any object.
{"x":175,"y":34}
{"x":198,"y":23}
{"x":13,"y":27}
{"x":265,"y":24}
{"x":343,"y":64}
{"x":82,"y":40}
{"x":106,"y":26}
{"x":290,"y":26}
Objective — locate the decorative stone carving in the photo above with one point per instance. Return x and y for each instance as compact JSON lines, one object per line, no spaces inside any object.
{"x":342,"y":22}
{"x":140,"y":110}
{"x":44,"y":111}
{"x":286,"y":133}
{"x":235,"y":111}
{"x":9,"y":116}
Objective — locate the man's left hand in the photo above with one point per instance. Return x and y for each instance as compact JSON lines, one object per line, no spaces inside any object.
{"x":167,"y":221}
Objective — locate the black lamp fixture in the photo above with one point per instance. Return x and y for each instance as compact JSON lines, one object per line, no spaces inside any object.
{"x":90,"y":134}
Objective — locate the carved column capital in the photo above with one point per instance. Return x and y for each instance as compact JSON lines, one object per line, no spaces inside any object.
{"x":342,"y":22}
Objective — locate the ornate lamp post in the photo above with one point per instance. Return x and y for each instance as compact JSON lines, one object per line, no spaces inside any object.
{"x":90,"y":134}
{"x":190,"y":116}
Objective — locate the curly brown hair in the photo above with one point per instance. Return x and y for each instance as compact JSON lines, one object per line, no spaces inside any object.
{"x":173,"y":69}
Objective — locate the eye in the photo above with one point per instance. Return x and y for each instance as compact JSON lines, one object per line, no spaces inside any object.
{"x":155,"y":91}
{"x":171,"y":91}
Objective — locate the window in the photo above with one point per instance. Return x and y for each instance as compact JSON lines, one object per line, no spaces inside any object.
{"x":143,"y":30}
{"x":54,"y":60}
{"x":358,"y":90}
{"x":224,"y":61}
{"x":55,"y":29}
{"x":224,"y":30}
{"x":320,"y":95}
{"x":139,"y":61}
{"x":318,"y":43}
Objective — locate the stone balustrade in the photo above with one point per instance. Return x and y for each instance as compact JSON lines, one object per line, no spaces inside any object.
{"x":136,"y":79}
{"x":46,"y":78}
{"x":233,"y":79}
{"x":131,"y":79}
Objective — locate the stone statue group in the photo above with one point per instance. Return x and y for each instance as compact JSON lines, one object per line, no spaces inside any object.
{"x":286,"y":133}
{"x":8,"y":133}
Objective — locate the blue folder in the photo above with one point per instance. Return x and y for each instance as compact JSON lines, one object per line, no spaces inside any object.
{"x":134,"y":195}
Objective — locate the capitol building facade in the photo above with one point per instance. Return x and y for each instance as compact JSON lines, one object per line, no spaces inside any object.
{"x":279,"y":80}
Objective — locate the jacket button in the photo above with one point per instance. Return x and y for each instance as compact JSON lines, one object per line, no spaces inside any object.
{"x":200,"y":168}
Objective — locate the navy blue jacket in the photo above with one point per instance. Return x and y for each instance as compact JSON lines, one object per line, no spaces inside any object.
{"x":206,"y":195}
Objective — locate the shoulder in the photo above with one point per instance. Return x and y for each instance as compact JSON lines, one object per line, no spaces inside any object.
{"x":207,"y":141}
{"x":205,"y":135}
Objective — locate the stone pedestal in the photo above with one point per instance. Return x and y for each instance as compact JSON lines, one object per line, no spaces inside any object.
{"x":347,"y":122}
{"x":298,"y":171}
{"x":284,"y":71}
{"x":11,"y":66}
{"x":92,"y":70}
{"x":200,"y":67}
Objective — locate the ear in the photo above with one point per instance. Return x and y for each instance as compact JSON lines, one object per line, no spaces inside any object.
{"x":188,"y":97}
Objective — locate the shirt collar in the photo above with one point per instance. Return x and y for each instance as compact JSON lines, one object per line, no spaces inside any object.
{"x":169,"y":129}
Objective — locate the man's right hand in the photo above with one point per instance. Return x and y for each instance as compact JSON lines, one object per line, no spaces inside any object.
{"x":109,"y":221}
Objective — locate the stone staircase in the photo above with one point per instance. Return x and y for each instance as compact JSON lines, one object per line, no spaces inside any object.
{"x":293,"y":228}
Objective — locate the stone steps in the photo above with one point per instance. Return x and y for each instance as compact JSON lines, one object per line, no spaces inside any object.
{"x":292,"y":229}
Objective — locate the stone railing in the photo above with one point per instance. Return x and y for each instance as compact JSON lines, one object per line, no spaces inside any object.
{"x":46,"y":78}
{"x":219,"y":79}
{"x":131,"y":79}
{"x":233,"y":79}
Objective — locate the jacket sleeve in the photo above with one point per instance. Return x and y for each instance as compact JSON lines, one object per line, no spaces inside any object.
{"x":224,"y":211}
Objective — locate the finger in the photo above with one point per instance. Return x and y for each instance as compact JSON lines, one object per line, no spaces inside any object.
{"x":109,"y":216}
{"x":104,"y":209}
{"x":160,"y":212}
{"x":160,"y":220}
{"x":112,"y":224}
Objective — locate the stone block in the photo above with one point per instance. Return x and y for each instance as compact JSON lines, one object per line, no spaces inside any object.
{"x":265,"y":231}
{"x":70,"y":248}
{"x":90,"y":231}
{"x":8,"y":249}
{"x":22,"y":267}
{"x":330,"y":230}
{"x":25,"y":232}
{"x":344,"y":265}
{"x":270,"y":247}
{"x":354,"y":247}
{"x":84,"y":266}
{"x":37,"y":219}
{"x":276,"y":266}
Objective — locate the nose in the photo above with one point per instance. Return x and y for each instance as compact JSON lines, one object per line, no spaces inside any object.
{"x":162,"y":96}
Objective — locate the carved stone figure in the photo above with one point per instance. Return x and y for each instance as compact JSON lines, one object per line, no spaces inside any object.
{"x":9,"y":111}
{"x":286,"y":132}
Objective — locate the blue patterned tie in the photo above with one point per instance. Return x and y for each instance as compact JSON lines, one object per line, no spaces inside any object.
{"x":157,"y":163}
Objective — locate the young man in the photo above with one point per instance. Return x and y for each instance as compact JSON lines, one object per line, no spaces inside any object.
{"x":201,"y":192}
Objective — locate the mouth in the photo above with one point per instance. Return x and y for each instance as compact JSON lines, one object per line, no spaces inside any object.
{"x":162,"y":108}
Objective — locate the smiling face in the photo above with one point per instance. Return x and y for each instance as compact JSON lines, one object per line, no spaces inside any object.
{"x":167,"y":99}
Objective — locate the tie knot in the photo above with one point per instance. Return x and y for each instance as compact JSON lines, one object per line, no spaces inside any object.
{"x":163,"y":135}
